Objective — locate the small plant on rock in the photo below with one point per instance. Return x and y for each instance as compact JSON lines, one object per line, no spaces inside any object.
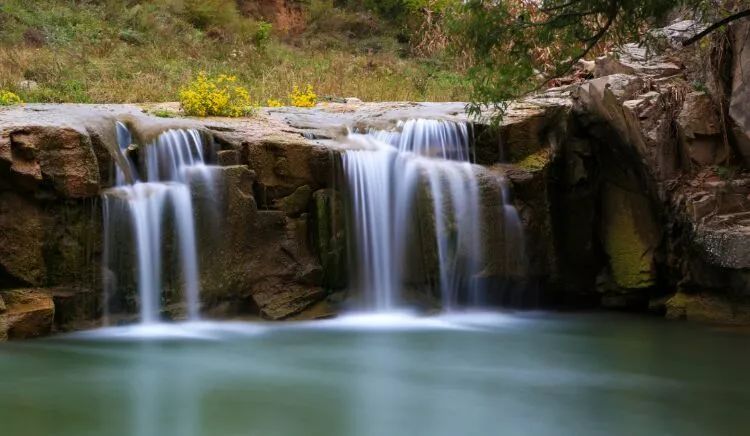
{"x":218,"y":96}
{"x":272,"y":102}
{"x":306,"y":98}
{"x":8,"y":98}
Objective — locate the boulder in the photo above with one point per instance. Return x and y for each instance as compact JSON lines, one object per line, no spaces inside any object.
{"x":633,"y":59}
{"x":29,"y":313}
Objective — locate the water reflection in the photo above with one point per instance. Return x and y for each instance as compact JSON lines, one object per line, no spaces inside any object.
{"x":465,"y":374}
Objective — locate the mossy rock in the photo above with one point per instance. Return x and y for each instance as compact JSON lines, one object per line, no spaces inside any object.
{"x":536,"y":161}
{"x":630,"y":237}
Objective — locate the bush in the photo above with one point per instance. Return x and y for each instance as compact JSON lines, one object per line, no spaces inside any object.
{"x":204,"y":14}
{"x":8,"y":98}
{"x":262,"y":34}
{"x":274,"y":103}
{"x":219,"y":96}
{"x":308,"y":98}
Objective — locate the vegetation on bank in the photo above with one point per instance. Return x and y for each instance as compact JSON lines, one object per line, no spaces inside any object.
{"x":94,"y":51}
{"x":485,"y":51}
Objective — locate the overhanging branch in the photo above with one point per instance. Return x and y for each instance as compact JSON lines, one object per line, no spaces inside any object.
{"x":716,"y":25}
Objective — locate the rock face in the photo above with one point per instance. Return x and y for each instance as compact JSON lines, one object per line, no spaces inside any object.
{"x":739,"y":99}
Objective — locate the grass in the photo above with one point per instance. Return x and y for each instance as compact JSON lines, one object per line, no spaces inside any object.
{"x":108,"y":52}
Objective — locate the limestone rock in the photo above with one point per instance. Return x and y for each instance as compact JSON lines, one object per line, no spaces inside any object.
{"x":678,"y":32}
{"x":30,"y":313}
{"x":634,"y":60}
{"x":700,"y":129}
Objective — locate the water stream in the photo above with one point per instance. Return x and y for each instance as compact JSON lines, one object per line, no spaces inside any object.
{"x":392,"y":175}
{"x":156,"y":205}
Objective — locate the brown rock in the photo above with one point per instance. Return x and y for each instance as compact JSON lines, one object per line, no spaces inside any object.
{"x":282,"y":166}
{"x":63,"y":155}
{"x":22,"y":239}
{"x":296,"y":203}
{"x":30,"y":313}
{"x":278,"y":300}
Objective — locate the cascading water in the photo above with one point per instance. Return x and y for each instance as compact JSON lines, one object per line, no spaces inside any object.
{"x":142,"y":210}
{"x":387,"y":175}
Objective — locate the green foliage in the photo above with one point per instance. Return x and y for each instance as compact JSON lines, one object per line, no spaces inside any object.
{"x":163,"y":113}
{"x":101,"y":51}
{"x":726,"y":173}
{"x":262,"y":34}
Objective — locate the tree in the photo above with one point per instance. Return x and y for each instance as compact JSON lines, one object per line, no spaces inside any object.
{"x":518,"y":46}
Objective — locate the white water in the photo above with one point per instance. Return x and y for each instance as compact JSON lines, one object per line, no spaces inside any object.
{"x":384,"y":176}
{"x":141,"y":209}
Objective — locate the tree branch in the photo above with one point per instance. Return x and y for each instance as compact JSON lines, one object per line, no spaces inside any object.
{"x":716,"y":25}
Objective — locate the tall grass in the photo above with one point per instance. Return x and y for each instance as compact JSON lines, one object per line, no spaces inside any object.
{"x":115,"y":51}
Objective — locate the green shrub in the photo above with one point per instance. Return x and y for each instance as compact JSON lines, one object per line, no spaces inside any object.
{"x":262,"y":34}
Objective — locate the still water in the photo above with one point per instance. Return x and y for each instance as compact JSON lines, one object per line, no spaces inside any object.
{"x":491,"y":374}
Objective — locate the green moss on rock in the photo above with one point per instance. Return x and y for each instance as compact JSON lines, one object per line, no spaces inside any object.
{"x":536,"y":161}
{"x":630,"y":237}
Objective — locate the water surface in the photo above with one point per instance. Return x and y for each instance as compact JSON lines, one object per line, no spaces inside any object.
{"x":530,"y":374}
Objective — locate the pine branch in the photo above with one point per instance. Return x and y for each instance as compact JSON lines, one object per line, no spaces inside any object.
{"x":716,"y":25}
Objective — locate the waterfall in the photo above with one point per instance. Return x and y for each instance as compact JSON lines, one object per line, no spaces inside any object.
{"x":388,"y":173}
{"x":144,"y":209}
